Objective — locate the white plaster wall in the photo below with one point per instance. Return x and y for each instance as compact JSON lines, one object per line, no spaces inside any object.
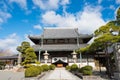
{"x":44,"y":63}
{"x":41,"y":64}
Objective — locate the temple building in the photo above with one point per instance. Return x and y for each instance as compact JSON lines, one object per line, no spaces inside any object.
{"x":60,"y":44}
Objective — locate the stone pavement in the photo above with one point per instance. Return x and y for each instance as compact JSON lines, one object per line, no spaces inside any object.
{"x":10,"y":75}
{"x":57,"y":74}
{"x":60,"y":74}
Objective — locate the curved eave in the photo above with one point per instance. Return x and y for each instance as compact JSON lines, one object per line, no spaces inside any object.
{"x":52,"y":37}
{"x":85,"y":36}
{"x":59,"y":47}
{"x":35,"y":39}
{"x":8,"y":57}
{"x":34,"y":36}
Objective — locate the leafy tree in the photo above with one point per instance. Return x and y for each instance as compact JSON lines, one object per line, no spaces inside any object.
{"x":104,"y":35}
{"x":103,"y":40}
{"x":28,"y":53}
{"x":107,"y":28}
{"x":23,"y":47}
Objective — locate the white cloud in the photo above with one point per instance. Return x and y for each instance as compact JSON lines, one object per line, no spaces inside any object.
{"x":21,"y":3}
{"x":64,"y":2}
{"x":90,"y":19}
{"x":1,"y":20}
{"x":3,"y":5}
{"x":112,"y":7}
{"x":87,"y":21}
{"x":50,"y":4}
{"x":4,"y":16}
{"x":51,"y":18}
{"x":99,"y":1}
{"x":28,"y":40}
{"x":37,"y":27}
{"x":10,"y":43}
{"x":118,"y":1}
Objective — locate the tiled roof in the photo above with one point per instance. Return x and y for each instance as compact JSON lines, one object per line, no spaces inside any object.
{"x":9,"y":57}
{"x":60,"y":33}
{"x":58,"y":47}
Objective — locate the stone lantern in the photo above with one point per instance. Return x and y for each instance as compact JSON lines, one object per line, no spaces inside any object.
{"x":19,"y":59}
{"x":46,"y":56}
{"x":74,"y":55}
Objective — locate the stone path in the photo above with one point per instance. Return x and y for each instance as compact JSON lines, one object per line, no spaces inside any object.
{"x":60,"y":74}
{"x":10,"y":75}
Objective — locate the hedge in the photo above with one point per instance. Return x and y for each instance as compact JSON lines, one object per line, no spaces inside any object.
{"x":74,"y":67}
{"x":45,"y":67}
{"x":68,"y":67}
{"x":32,"y":71}
{"x":52,"y":67}
{"x":86,"y":70}
{"x":28,"y":65}
{"x":2,"y":64}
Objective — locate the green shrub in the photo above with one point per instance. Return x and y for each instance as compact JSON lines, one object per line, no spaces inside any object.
{"x":74,"y":67}
{"x":40,"y":70}
{"x":52,"y":67}
{"x":86,"y":70}
{"x":45,"y":67}
{"x":2,"y":64}
{"x":28,"y":65}
{"x":37,"y":62}
{"x":68,"y":67}
{"x":31,"y":71}
{"x":88,"y":67}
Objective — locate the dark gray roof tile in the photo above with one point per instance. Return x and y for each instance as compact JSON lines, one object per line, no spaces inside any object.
{"x":60,"y":33}
{"x":56,"y":33}
{"x":9,"y":57}
{"x":59,"y":47}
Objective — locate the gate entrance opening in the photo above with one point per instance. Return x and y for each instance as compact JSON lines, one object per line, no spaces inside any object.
{"x":60,"y":61}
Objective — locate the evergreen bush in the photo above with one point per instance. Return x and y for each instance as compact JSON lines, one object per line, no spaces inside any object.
{"x":45,"y":67}
{"x":68,"y":67}
{"x":27,"y":65}
{"x":32,"y":71}
{"x":52,"y":67}
{"x":37,"y":62}
{"x":74,"y":67}
{"x":88,"y":67}
{"x":2,"y":64}
{"x":40,"y":70}
{"x":86,"y":70}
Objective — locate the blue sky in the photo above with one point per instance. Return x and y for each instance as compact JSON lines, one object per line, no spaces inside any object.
{"x":19,"y":18}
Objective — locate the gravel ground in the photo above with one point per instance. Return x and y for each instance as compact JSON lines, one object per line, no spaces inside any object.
{"x":60,"y":74}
